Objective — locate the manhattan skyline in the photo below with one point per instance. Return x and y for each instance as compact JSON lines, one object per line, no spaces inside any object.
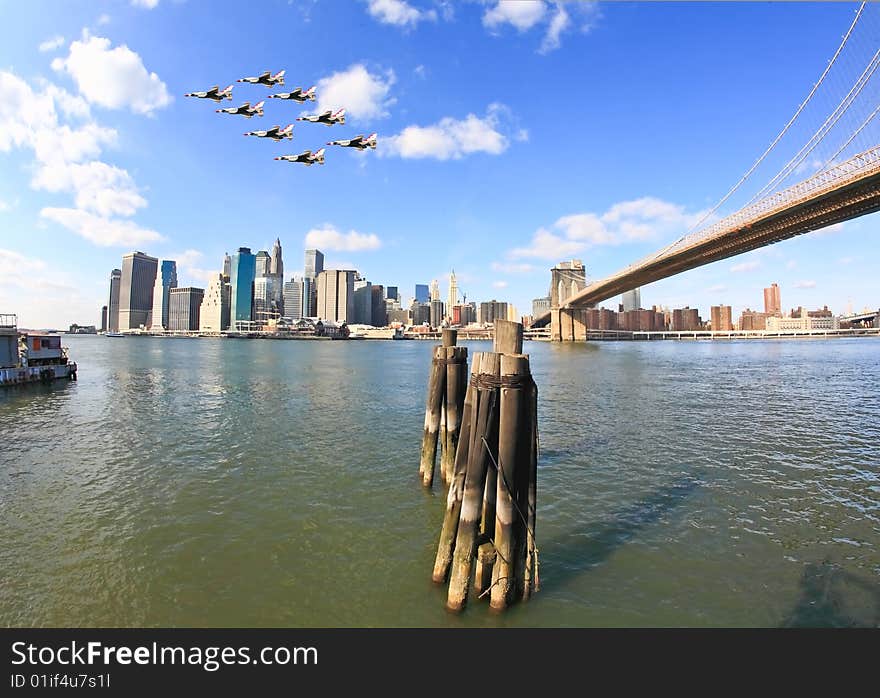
{"x":484,"y":159}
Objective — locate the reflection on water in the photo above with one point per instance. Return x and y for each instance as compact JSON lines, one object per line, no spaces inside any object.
{"x":258,"y":483}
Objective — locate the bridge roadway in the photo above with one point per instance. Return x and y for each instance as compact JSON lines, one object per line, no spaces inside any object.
{"x":848,"y":190}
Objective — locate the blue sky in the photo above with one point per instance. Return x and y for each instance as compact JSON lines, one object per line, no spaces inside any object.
{"x":510,"y":137}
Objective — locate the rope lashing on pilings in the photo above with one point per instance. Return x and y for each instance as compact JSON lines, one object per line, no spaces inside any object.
{"x":491,"y":381}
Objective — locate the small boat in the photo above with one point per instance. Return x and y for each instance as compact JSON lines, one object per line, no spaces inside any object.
{"x":113,"y":334}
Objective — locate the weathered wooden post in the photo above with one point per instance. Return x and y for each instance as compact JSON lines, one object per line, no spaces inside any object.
{"x":433,"y":406}
{"x":456,"y":373}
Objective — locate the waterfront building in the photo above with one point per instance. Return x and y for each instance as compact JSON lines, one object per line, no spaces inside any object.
{"x":722,"y":318}
{"x":751,"y":320}
{"x":804,"y":323}
{"x":241,"y":279}
{"x":400,"y":316}
{"x":103,"y":318}
{"x":335,"y":295}
{"x":772,"y":301}
{"x":512,"y":313}
{"x":491,"y":311}
{"x":166,"y":279}
{"x":136,"y":290}
{"x":686,"y":320}
{"x":214,"y":313}
{"x":421,"y":313}
{"x":632,"y":300}
{"x":298,"y":298}
{"x":379,"y":316}
{"x":540,"y":306}
{"x":423,"y":294}
{"x":799,"y":312}
{"x":314,"y":264}
{"x":452,"y":301}
{"x":263,"y":309}
{"x":262,"y":264}
{"x":363,"y":302}
{"x":184,"y":307}
{"x":391,"y":292}
{"x":435,"y":290}
{"x":113,"y":304}
{"x":437,"y":314}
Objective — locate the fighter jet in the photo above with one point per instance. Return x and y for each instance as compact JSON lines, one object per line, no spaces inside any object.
{"x":276,"y":133}
{"x":266,"y":79}
{"x":328,"y":117}
{"x":298,"y":94}
{"x":245,"y":110}
{"x":214,"y":93}
{"x":358,"y":142}
{"x":306,"y":157}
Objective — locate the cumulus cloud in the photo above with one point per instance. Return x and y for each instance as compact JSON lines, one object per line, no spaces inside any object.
{"x":745,"y":266}
{"x":399,"y":13}
{"x":805,"y":284}
{"x":636,"y":220}
{"x":327,"y":237}
{"x":452,"y":139}
{"x":546,"y":245}
{"x":55,"y":42}
{"x":363,"y":94}
{"x":145,"y":4}
{"x":101,"y":231}
{"x":525,"y":15}
{"x":65,"y":160}
{"x":114,"y":78}
{"x":499,"y":284}
{"x":522,"y":14}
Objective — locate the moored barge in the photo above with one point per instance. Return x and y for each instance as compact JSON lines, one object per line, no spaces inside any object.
{"x":31,"y":357}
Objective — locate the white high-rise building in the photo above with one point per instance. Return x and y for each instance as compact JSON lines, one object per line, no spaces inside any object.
{"x":435,"y":290}
{"x":214,"y":315}
{"x":632,"y":300}
{"x":452,"y":301}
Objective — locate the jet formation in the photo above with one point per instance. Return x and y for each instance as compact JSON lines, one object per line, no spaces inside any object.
{"x":276,"y":133}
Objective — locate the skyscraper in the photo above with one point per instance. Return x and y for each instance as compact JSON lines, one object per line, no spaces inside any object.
{"x":184,"y":307}
{"x":391,"y":292}
{"x":452,"y":301}
{"x":241,"y":278}
{"x":263,"y":264}
{"x":363,"y":302}
{"x":166,"y":279}
{"x":277,"y":267}
{"x":113,"y":303}
{"x":314,"y":264}
{"x":227,"y":266}
{"x":435,"y":290}
{"x":335,"y":291}
{"x":436,"y":312}
{"x":632,"y":300}
{"x":214,"y":313}
{"x":136,"y":290}
{"x":772,"y":301}
{"x":423,"y":295}
{"x":103,"y":318}
{"x":295,"y":299}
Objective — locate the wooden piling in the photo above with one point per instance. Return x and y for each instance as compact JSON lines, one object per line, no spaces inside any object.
{"x":433,"y":406}
{"x":482,"y":417}
{"x":514,"y":448}
{"x":508,"y":337}
{"x":456,"y":484}
{"x":531,"y":580}
{"x":456,"y":387}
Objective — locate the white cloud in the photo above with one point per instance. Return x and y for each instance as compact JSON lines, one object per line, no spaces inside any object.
{"x":145,"y":4}
{"x":558,"y":24}
{"x":512,"y":267}
{"x":522,"y":14}
{"x":105,"y":189}
{"x":103,"y":19}
{"x":101,"y":231}
{"x":636,"y":220}
{"x":113,"y":77}
{"x":363,"y":94}
{"x":829,"y":230}
{"x":745,"y":266}
{"x":13,"y":263}
{"x":420,"y":71}
{"x":399,"y":13}
{"x":805,"y":284}
{"x":717,"y":288}
{"x":791,"y":264}
{"x":55,"y":42}
{"x":327,"y":237}
{"x":451,"y":139}
{"x":499,"y":284}
{"x":546,"y":245}
{"x":5,"y":206}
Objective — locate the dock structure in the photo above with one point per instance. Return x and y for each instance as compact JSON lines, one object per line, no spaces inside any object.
{"x":31,"y":357}
{"x":487,"y":539}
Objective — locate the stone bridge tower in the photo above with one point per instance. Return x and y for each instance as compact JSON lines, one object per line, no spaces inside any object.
{"x":566,"y":280}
